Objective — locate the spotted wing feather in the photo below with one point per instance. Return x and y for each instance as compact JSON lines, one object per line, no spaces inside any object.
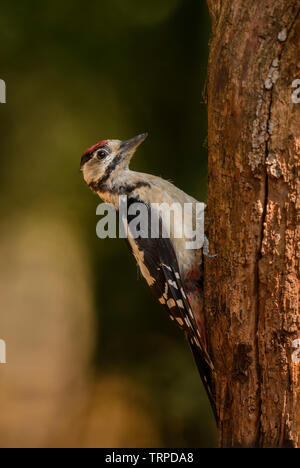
{"x":159,"y":265}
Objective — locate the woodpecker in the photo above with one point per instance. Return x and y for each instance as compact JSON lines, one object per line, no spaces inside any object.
{"x":173,"y":272}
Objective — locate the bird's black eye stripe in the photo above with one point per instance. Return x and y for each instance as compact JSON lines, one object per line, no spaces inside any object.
{"x":101,"y":154}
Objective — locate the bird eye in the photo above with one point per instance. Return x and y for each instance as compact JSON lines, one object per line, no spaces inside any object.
{"x":101,"y":154}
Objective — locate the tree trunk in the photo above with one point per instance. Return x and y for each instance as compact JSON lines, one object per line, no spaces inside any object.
{"x":252,"y":287}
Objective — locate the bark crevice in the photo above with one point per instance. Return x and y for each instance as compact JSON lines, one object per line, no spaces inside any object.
{"x":263,"y":224}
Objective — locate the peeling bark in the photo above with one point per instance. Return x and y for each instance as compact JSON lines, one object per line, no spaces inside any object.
{"x":252,"y":287}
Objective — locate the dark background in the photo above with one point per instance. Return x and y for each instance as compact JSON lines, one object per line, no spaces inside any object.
{"x":92,"y":359}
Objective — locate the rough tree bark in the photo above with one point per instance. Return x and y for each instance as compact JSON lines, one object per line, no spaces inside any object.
{"x":252,"y":287}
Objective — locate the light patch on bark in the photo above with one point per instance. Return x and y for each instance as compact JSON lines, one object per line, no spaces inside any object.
{"x":273,"y":74}
{"x":274,"y":166}
{"x":282,"y":36}
{"x":296,"y":93}
{"x":272,"y":126}
{"x":262,"y":128}
{"x":259,"y":135}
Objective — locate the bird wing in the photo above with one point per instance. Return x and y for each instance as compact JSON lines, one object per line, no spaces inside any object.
{"x":160,"y":269}
{"x":159,"y":266}
{"x":158,"y":263}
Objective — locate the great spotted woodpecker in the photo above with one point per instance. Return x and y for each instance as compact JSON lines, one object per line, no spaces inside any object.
{"x":173,"y":272}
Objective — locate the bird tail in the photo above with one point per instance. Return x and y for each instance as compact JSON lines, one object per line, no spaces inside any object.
{"x":206,"y":374}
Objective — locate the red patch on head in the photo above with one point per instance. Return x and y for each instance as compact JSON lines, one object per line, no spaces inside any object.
{"x":95,"y":147}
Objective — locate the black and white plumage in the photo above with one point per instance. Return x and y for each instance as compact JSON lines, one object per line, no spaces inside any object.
{"x":173,"y":272}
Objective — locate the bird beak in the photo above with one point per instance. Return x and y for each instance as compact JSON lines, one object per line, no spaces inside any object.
{"x":130,"y":146}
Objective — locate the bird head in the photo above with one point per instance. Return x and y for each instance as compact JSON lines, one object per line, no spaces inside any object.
{"x":100,"y":161}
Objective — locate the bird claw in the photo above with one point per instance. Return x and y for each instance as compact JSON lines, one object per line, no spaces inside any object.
{"x":206,"y":249}
{"x":210,"y":256}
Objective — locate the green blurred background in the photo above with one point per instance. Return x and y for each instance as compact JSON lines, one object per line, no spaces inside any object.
{"x":92,"y":359}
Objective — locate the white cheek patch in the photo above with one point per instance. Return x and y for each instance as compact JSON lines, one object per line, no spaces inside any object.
{"x":93,"y":170}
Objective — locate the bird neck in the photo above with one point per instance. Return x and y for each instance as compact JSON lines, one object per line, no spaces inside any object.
{"x":123,"y":182}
